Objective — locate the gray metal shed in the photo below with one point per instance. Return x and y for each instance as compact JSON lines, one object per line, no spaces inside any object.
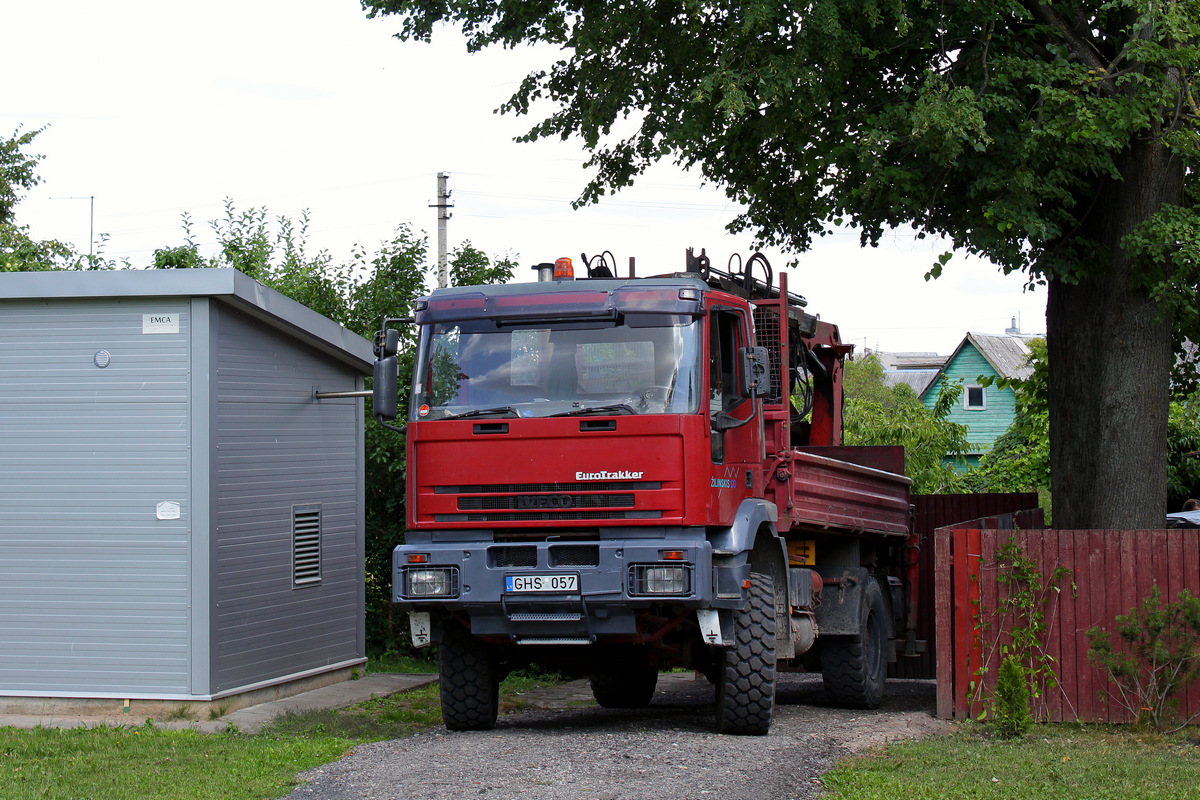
{"x":180,"y":519}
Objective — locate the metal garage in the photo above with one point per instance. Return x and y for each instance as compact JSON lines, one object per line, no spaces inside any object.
{"x":180,"y":518}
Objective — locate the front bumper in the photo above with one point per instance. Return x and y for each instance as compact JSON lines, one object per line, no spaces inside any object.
{"x":581,"y":590}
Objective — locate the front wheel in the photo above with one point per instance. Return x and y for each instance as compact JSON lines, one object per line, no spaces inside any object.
{"x":853,"y":666}
{"x":746,"y":688}
{"x":470,"y":684}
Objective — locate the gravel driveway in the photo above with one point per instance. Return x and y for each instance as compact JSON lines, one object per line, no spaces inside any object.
{"x":563,"y":747}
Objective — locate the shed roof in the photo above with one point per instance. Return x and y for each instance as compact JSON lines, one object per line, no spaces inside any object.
{"x":225,"y":285}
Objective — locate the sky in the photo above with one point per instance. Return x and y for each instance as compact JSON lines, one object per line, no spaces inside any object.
{"x":154,"y":110}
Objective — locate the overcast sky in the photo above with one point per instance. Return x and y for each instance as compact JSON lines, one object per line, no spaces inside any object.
{"x":156,"y":109}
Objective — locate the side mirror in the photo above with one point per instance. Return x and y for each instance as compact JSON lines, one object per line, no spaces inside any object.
{"x":754,"y":372}
{"x":387,"y":343}
{"x":383,"y":398}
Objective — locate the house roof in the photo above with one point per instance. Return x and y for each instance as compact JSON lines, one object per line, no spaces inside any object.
{"x":918,"y":379}
{"x":1007,"y":354}
{"x":227,"y":285}
{"x":917,"y":369}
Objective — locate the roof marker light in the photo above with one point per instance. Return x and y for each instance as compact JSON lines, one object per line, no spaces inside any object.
{"x":564,"y":269}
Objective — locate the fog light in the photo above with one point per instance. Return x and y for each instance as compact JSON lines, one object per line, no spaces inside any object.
{"x":431,"y":582}
{"x":648,"y":579}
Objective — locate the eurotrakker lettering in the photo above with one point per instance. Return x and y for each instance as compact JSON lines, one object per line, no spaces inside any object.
{"x":623,"y":475}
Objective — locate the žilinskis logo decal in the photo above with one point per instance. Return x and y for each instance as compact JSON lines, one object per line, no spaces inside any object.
{"x":622,"y":475}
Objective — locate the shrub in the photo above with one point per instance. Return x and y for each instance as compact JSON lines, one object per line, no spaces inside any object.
{"x":1156,"y":655}
{"x":1010,"y":704}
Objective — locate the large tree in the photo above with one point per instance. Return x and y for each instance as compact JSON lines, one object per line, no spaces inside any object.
{"x":1058,"y":138}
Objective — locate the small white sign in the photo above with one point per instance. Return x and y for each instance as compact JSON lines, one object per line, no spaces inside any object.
{"x":167,"y":509}
{"x":160,"y":323}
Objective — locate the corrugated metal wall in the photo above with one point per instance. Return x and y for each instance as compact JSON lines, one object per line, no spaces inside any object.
{"x":93,"y":584}
{"x":276,"y":449}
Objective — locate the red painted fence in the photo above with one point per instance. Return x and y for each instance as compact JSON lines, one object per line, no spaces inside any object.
{"x":1106,"y":573}
{"x":930,"y":512}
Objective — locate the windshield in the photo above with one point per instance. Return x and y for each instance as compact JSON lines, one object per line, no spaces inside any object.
{"x":476,"y":368}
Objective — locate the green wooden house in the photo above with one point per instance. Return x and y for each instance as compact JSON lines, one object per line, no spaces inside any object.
{"x":987,"y":411}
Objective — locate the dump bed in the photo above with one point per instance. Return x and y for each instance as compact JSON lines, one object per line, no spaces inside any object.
{"x":852,"y":490}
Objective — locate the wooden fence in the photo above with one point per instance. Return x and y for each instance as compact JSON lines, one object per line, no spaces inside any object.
{"x":930,"y":512}
{"x":1104,"y":573}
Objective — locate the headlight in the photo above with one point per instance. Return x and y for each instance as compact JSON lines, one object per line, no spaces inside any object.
{"x":431,"y":582}
{"x":646,"y":579}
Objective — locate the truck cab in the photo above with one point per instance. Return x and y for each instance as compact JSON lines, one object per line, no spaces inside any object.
{"x":601,"y":479}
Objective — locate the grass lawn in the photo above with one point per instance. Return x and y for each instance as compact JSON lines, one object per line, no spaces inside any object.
{"x":149,"y":763}
{"x":1053,"y":762}
{"x":141,"y":762}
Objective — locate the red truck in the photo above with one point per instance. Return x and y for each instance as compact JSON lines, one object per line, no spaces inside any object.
{"x":618,"y":476}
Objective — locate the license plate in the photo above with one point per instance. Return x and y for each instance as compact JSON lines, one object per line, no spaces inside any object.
{"x":541,"y":583}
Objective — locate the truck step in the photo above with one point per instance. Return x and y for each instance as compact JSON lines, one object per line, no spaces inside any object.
{"x":567,"y":616}
{"x":543,"y":641}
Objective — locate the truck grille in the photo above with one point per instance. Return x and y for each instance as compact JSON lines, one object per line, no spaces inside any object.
{"x":545,"y":501}
{"x":543,"y":488}
{"x":497,"y":516}
{"x":538,"y":502}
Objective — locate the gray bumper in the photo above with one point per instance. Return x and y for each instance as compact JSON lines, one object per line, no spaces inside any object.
{"x":612,"y":581}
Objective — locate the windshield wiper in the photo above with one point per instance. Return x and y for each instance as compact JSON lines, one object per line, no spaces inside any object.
{"x":480,"y":412}
{"x":575,"y":412}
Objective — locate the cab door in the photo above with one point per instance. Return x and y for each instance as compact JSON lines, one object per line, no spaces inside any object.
{"x":734,"y":420}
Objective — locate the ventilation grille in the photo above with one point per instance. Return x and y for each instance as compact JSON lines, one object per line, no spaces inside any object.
{"x":575,"y":555}
{"x":306,"y":545}
{"x":522,"y":556}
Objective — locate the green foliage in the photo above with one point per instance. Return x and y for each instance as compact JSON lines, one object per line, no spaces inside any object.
{"x":469,"y":266}
{"x":1019,"y":459}
{"x":1183,"y":451}
{"x":1021,"y":610}
{"x":875,"y":414}
{"x":1010,"y":703}
{"x":1155,"y":656}
{"x":18,"y":170}
{"x":988,"y":122}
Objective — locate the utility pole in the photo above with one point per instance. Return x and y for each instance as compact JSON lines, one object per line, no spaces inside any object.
{"x":443,"y":206}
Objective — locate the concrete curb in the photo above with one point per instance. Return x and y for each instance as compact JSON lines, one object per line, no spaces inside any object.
{"x":246,"y":720}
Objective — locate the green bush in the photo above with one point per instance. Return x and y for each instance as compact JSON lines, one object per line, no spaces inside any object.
{"x":1155,"y":656}
{"x":1010,"y":705}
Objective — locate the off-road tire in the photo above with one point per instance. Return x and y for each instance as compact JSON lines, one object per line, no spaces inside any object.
{"x":746,"y":691}
{"x":625,"y":688}
{"x":855,"y":667}
{"x":470,"y":685}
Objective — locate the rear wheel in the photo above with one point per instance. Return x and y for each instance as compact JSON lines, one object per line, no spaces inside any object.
{"x":629,"y":687}
{"x":470,"y":684}
{"x":853,"y":667}
{"x":746,"y":689}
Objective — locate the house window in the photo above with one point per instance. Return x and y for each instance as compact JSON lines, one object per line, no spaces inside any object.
{"x":974,"y":399}
{"x":306,"y":546}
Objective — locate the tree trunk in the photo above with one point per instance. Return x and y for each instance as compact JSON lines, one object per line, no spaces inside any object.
{"x":1110,"y":358}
